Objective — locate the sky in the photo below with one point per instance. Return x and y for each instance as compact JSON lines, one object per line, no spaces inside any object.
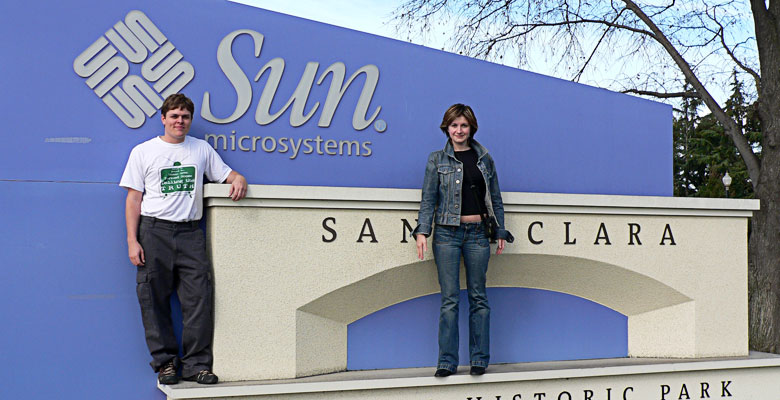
{"x":371,"y":16}
{"x":376,"y":17}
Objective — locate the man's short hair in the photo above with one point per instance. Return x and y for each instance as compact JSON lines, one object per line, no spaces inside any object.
{"x":176,"y":101}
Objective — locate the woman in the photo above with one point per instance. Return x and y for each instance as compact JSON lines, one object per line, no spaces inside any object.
{"x":461,"y":191}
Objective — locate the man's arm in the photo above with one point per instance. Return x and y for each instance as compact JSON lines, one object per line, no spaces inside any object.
{"x":132,"y":217}
{"x":237,"y":185}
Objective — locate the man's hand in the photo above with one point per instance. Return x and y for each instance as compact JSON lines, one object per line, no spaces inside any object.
{"x":422,"y":246}
{"x":238,"y":185}
{"x":132,"y":217}
{"x":136,"y":253}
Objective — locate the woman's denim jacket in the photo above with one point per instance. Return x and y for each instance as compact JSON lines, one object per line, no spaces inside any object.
{"x":441,"y":191}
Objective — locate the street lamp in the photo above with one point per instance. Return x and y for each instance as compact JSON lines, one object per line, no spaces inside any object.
{"x":727,"y":182}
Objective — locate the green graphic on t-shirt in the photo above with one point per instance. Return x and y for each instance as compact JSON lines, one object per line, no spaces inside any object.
{"x":177,"y":179}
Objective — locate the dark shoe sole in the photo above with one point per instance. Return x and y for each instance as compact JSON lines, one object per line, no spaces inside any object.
{"x":168,"y":380}
{"x":207,"y":380}
{"x":477,"y":370}
{"x":442,"y":373}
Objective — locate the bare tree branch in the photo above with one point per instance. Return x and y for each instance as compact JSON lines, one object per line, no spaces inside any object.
{"x":663,"y":95}
{"x":592,"y":53}
{"x":730,"y":52}
{"x":731,"y":128}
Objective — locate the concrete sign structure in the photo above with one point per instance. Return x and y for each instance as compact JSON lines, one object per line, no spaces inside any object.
{"x":670,"y":265}
{"x":332,"y":127}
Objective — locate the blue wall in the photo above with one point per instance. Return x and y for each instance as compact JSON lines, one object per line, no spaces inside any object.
{"x":525,"y":325}
{"x":71,"y":327}
{"x":547,"y":134}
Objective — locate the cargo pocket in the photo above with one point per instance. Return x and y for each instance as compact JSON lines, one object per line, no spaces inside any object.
{"x":143,"y":288}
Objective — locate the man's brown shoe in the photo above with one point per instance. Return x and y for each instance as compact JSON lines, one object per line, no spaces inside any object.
{"x":204,"y":377}
{"x":167,"y":374}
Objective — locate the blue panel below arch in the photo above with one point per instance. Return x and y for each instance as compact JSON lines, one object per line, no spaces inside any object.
{"x":526,"y":325}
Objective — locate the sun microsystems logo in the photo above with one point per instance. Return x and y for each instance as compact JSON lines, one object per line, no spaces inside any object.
{"x":105,"y":65}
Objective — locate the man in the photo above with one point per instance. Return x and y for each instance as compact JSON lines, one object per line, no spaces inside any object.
{"x":164,"y":181}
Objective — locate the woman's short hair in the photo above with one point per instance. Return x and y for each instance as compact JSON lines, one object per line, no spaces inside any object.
{"x":177,"y":101}
{"x":459,"y":110}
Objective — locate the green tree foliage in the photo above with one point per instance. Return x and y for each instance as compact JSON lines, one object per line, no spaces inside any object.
{"x":703,"y":153}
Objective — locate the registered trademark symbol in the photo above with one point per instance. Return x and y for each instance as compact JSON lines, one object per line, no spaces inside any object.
{"x":380,"y":125}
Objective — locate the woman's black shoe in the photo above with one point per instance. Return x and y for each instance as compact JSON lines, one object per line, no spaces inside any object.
{"x":477,"y":370}
{"x":441,"y":373}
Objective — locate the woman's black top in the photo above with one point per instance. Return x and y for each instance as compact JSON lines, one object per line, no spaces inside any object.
{"x":471,"y":177}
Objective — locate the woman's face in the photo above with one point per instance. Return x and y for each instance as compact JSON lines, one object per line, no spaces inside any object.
{"x":459,"y":131}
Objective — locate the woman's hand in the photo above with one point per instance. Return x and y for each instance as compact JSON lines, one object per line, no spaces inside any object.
{"x":422,"y":246}
{"x":499,"y":249}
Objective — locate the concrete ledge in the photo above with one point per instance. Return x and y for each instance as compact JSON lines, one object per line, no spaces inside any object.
{"x":408,"y":199}
{"x":500,"y":373}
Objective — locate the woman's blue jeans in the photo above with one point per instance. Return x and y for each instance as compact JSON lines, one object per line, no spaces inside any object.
{"x":449,"y":243}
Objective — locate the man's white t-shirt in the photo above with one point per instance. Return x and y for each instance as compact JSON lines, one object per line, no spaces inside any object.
{"x":171,"y":176}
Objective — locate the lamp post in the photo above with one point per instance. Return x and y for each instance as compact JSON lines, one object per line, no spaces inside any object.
{"x":727,"y":182}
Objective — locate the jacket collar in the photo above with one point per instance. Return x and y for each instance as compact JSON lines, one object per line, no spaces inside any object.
{"x":450,"y":151}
